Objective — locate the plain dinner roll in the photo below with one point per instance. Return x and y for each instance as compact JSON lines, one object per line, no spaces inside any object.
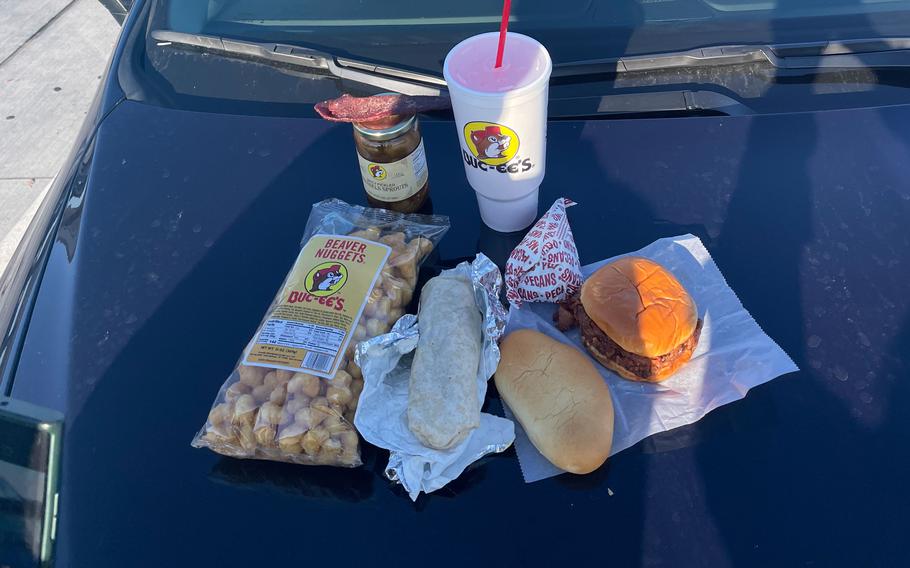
{"x":559,"y":398}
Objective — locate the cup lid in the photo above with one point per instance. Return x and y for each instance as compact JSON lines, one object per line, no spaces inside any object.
{"x":539,"y":65}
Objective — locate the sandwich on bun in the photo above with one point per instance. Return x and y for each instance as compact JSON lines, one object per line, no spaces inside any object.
{"x":636,"y":319}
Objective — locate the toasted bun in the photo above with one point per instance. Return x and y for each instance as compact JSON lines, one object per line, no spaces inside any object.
{"x":640,"y":306}
{"x":559,"y":398}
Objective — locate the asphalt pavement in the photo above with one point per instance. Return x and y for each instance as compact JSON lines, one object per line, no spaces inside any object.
{"x":53,"y":54}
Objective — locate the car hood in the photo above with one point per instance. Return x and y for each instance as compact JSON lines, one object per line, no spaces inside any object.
{"x":165,"y":262}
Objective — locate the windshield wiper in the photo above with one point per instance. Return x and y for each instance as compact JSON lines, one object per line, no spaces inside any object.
{"x":380,"y":76}
{"x":645,"y":104}
{"x":850,"y":54}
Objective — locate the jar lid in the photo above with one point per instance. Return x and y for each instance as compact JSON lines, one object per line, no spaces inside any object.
{"x":385,"y":128}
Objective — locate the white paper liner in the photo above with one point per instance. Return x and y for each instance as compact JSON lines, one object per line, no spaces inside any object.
{"x":733,"y":355}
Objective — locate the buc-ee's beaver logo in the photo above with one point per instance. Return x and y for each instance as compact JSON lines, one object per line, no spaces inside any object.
{"x":493,"y":147}
{"x":377,"y":171}
{"x":326,"y":279}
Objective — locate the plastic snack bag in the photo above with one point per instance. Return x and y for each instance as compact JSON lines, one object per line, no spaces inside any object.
{"x":293,"y":393}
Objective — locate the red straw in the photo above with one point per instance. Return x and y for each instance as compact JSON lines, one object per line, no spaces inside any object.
{"x":503,"y":28}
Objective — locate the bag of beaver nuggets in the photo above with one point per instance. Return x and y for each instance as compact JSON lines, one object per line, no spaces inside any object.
{"x":293,"y":393}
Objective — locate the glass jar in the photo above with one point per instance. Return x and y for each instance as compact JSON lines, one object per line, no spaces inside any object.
{"x":393,"y":164}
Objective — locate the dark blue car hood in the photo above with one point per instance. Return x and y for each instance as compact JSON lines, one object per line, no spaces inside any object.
{"x":164,"y":264}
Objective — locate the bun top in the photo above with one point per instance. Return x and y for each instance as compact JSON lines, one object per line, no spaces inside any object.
{"x":640,"y":306}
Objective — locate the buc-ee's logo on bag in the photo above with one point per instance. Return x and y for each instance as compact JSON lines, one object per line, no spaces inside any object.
{"x":326,"y":279}
{"x":493,"y":147}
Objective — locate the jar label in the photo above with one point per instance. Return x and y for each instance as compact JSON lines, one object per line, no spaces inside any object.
{"x":395,"y":181}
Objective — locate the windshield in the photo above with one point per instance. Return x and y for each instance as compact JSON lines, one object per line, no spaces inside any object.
{"x":418,"y":35}
{"x":415,"y":38}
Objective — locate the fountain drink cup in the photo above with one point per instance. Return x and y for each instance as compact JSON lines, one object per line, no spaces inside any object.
{"x":501,"y":120}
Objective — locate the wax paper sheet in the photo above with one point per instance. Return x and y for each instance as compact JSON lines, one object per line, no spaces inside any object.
{"x":381,"y":416}
{"x":733,"y":355}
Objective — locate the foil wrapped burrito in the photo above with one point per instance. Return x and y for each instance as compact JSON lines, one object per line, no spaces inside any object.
{"x":387,"y":362}
{"x":443,"y":406}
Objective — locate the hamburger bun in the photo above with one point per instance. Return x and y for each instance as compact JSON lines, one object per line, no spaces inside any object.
{"x":559,"y":398}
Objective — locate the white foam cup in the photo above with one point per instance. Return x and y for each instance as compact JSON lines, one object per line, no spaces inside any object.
{"x":501,"y":120}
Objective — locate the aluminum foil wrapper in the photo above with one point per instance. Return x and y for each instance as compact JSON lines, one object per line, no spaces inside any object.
{"x":381,"y":416}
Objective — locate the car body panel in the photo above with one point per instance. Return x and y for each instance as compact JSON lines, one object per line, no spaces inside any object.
{"x":162,"y":268}
{"x":168,"y":232}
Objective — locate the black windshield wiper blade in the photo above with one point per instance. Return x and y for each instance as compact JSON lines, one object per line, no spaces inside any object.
{"x":644,"y":104}
{"x":850,"y":54}
{"x":380,"y":76}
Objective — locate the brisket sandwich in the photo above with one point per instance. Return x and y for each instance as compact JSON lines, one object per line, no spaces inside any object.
{"x":636,"y":319}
